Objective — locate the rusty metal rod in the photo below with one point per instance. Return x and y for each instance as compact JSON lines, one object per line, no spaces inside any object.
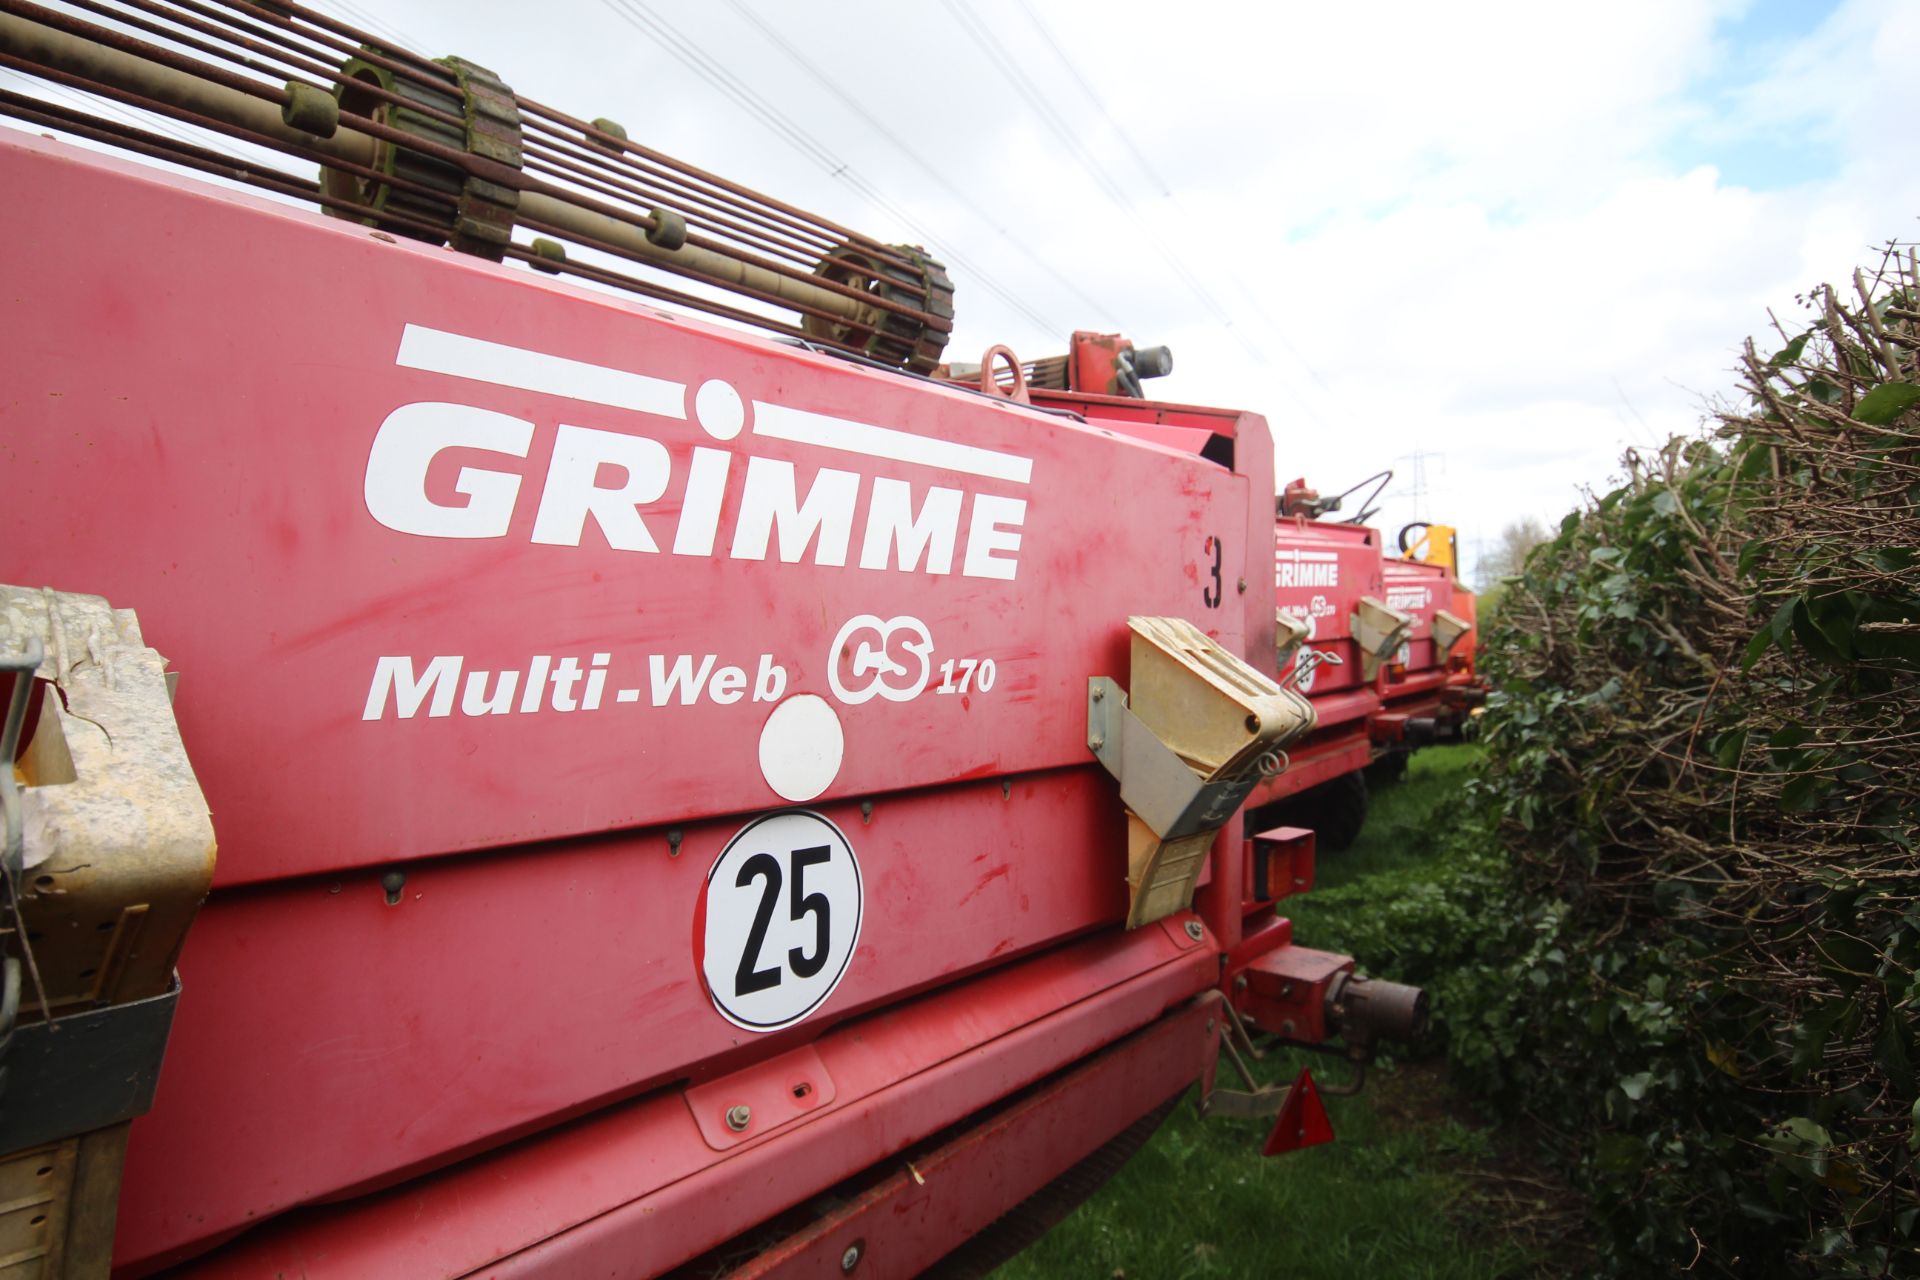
{"x":215,"y":124}
{"x":282,"y":30}
{"x":833,"y":229}
{"x":207,"y":47}
{"x":742,"y":200}
{"x":602,"y":275}
{"x":286,"y":66}
{"x":693,"y":205}
{"x":620,"y":251}
{"x":172,"y":151}
{"x":423,"y":68}
{"x":368,"y":43}
{"x":255,"y":108}
{"x":564,"y":170}
{"x":748,"y":274}
{"x":190,"y":156}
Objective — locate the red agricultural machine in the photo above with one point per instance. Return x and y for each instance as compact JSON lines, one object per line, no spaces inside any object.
{"x":1382,"y":644}
{"x":688,"y":802}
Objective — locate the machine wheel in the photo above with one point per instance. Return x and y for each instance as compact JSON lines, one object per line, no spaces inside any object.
{"x":1388,"y":769}
{"x":1339,"y":811}
{"x":1033,"y":1217}
{"x":1334,"y":811}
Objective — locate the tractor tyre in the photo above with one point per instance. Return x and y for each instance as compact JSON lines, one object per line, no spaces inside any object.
{"x":1334,"y":811}
{"x":1033,"y":1217}
{"x":1338,"y":811}
{"x":1388,"y":769}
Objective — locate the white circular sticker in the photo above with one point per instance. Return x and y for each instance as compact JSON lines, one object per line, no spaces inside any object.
{"x":781,"y":914}
{"x":801,"y":746}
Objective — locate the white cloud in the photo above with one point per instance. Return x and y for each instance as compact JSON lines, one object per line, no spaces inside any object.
{"x":1519,"y":235}
{"x":1468,"y":230}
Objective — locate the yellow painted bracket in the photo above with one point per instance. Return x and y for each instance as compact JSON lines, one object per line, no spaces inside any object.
{"x":1199,"y":729}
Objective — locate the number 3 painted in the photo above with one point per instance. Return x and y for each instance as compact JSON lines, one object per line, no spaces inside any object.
{"x":1210,"y":596}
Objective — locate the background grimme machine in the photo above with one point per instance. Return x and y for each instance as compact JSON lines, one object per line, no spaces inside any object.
{"x":687,"y":801}
{"x":1383,"y":645}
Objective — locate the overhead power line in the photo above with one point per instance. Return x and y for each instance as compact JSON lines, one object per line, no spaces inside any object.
{"x":1086,"y":87}
{"x":913,"y":154}
{"x":649,"y":23}
{"x":976,"y":31}
{"x":354,"y":15}
{"x":1062,"y":129}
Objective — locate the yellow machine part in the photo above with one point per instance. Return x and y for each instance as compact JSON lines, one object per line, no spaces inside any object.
{"x":1439,"y":544}
{"x":116,"y":855}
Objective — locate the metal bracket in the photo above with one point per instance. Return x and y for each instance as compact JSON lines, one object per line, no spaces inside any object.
{"x":1289,"y":633}
{"x":1448,"y":628}
{"x":22,"y":667}
{"x":1207,"y":728}
{"x":84,"y":1071}
{"x":1160,"y":788}
{"x":1379,"y":629}
{"x":1240,"y":1104}
{"x":1257,"y":1101}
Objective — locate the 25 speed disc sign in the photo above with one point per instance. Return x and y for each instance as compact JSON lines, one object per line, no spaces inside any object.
{"x":782,"y":915}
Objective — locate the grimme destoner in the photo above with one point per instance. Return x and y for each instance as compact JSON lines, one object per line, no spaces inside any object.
{"x":689,"y":801}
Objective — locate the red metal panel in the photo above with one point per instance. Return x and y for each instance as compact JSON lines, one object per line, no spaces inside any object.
{"x":919,"y":1214}
{"x":1417,"y":684}
{"x":1389,"y":726}
{"x":508,"y":991}
{"x":218,"y":426}
{"x":1264,"y":933}
{"x":636,"y":1189}
{"x":1332,"y":710}
{"x":1321,"y":571}
{"x":212,"y":433}
{"x":1114,"y":411}
{"x":1318,"y":761}
{"x":1421,"y":591}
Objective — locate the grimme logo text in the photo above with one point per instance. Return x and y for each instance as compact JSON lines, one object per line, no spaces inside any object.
{"x":642,"y":499}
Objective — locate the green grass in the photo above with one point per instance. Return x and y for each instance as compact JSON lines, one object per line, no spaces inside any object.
{"x":1399,"y":817}
{"x":1386,"y":1200}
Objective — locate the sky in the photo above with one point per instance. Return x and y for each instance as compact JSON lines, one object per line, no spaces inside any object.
{"x":1488,"y":245}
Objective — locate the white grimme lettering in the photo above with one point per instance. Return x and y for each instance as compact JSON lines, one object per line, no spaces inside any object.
{"x":994,"y":521}
{"x":1309,"y":575}
{"x":1407,"y":598}
{"x":770,"y":501}
{"x":700,"y":512}
{"x":894,"y":531}
{"x":563,"y":686}
{"x":406,"y":445}
{"x":609,"y":478}
{"x":573,"y":491}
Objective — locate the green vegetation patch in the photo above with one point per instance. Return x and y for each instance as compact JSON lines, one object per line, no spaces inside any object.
{"x":1702,"y":976}
{"x":1384,"y":1200}
{"x":1408,"y":1188}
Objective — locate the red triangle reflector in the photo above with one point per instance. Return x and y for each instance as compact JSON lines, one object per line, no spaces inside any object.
{"x":1303,"y":1120}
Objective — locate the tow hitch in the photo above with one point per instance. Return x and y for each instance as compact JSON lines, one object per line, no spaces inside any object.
{"x":1303,"y":998}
